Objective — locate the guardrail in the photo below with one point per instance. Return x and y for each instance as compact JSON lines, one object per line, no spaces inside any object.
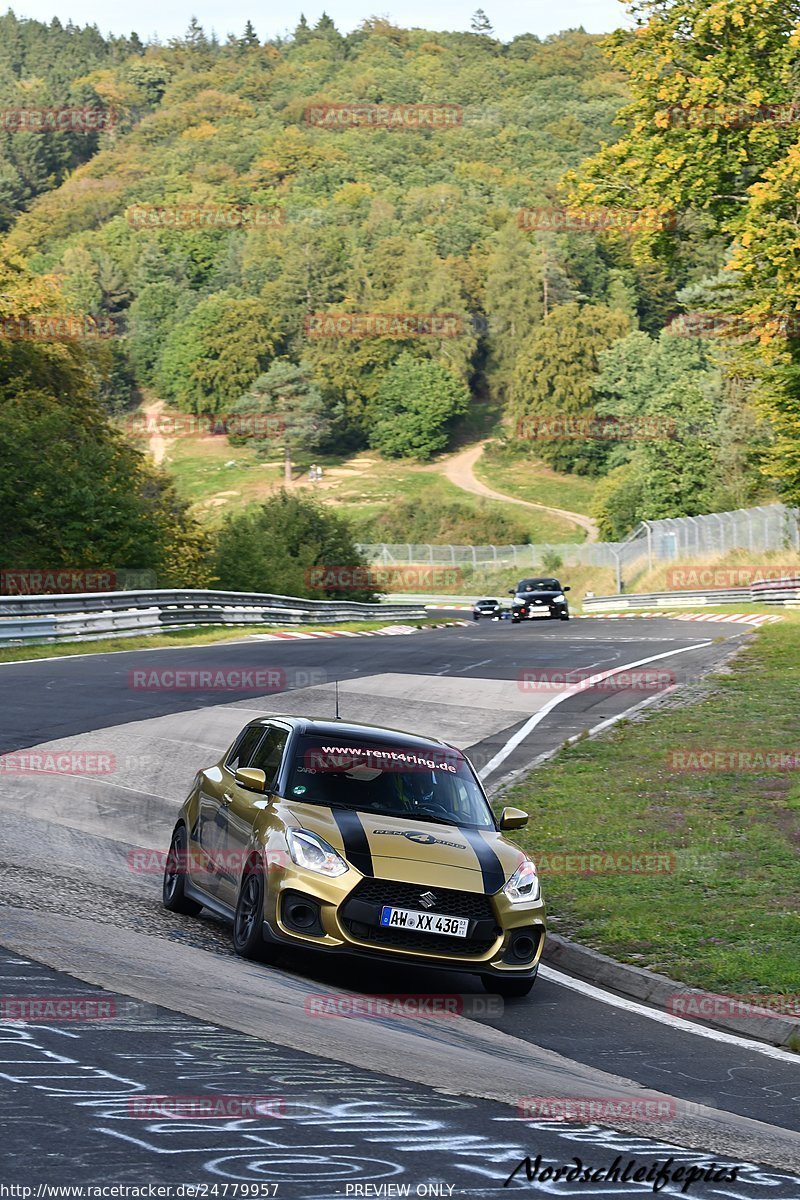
{"x":88,"y":616}
{"x":780,"y":591}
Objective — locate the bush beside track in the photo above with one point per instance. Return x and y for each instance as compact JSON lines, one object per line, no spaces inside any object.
{"x":727,"y":917}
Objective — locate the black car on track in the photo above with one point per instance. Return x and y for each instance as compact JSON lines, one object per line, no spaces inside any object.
{"x":542,"y":596}
{"x":486,"y":608}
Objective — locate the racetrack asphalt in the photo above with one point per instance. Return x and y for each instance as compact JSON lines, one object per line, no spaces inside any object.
{"x":67,"y":899}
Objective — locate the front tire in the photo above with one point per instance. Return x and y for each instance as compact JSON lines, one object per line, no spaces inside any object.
{"x":173,"y":896}
{"x":509,"y":989}
{"x":248,"y":936}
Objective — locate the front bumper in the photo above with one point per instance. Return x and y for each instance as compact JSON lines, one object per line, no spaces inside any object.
{"x":529,"y":612}
{"x":503,"y":939}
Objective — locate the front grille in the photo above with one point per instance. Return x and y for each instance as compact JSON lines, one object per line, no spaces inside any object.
{"x":361,"y":914}
{"x":449,"y":903}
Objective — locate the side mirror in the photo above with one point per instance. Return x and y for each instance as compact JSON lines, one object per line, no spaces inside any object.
{"x":513,"y":818}
{"x":512,"y":591}
{"x":566,"y":589}
{"x":251,"y":778}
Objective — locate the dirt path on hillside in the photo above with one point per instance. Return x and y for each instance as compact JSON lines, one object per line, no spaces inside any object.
{"x":459,"y":470}
{"x":156,"y":442}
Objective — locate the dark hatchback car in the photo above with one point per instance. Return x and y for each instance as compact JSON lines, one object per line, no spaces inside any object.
{"x":539,"y":597}
{"x":486,"y":608}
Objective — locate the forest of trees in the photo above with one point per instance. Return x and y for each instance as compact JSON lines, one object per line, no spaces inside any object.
{"x":550,"y":322}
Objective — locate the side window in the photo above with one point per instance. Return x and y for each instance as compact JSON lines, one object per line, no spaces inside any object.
{"x":244,"y":747}
{"x":269,"y":754}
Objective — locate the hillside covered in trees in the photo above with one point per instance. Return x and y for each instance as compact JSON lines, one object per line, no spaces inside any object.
{"x":289,"y":213}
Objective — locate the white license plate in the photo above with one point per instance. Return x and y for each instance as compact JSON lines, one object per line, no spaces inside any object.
{"x":408,"y":918}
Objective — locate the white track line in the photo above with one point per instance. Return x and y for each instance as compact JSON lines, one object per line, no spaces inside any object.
{"x":664,"y":1018}
{"x":584,"y":684}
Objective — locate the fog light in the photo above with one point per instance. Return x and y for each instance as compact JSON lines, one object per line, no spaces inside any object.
{"x":524,"y":948}
{"x":522,"y":945}
{"x":301,"y":915}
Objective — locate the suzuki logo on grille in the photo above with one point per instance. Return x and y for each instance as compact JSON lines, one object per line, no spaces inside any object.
{"x":427,"y":899}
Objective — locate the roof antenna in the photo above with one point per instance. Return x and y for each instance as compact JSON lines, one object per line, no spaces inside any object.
{"x":336,"y":691}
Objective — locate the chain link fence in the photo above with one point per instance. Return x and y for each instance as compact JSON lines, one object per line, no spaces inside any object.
{"x":595,"y":554}
{"x":769,"y":527}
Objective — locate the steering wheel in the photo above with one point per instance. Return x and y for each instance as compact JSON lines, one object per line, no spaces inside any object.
{"x":432,"y":808}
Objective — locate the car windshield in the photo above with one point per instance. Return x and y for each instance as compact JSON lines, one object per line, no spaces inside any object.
{"x":391,"y":779}
{"x":539,"y":585}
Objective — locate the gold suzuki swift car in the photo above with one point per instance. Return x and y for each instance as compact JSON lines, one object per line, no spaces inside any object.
{"x":362,"y":840}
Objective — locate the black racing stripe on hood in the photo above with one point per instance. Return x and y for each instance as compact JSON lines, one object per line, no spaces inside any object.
{"x":356,"y":845}
{"x":491,"y":868}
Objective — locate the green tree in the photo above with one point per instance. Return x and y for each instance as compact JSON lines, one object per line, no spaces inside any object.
{"x":667,"y":393}
{"x":73,"y":492}
{"x":767,"y":259}
{"x":213,"y":355}
{"x":513,"y":302}
{"x":290,"y":546}
{"x":416,"y":404}
{"x":480,"y":23}
{"x":156,"y":310}
{"x":554,"y":381}
{"x":617,"y":502}
{"x":700,"y":72}
{"x":294,"y":414}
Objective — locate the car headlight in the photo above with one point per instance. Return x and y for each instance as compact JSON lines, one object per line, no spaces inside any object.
{"x":523,"y":886}
{"x":313,"y":852}
{"x":560,"y":598}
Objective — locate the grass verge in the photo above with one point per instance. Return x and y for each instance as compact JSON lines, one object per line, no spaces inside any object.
{"x":529,"y":479}
{"x":727,"y":917}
